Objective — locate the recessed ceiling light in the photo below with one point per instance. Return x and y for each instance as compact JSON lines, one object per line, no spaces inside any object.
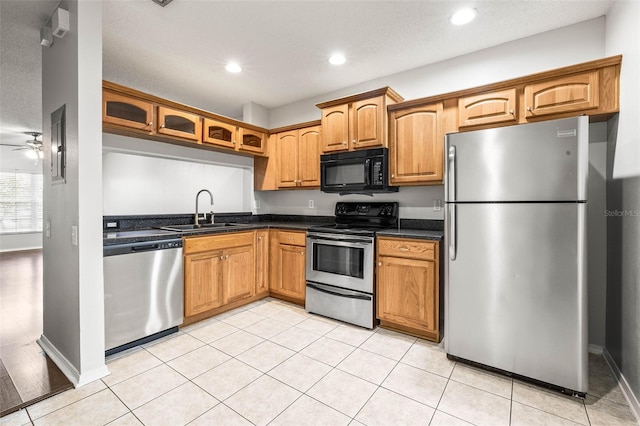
{"x":463,"y":16}
{"x":233,"y":67}
{"x":337,"y":59}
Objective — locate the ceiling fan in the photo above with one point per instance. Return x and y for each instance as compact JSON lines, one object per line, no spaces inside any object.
{"x":33,"y":145}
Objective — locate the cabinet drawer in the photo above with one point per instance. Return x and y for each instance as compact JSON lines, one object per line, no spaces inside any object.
{"x":292,"y":238}
{"x":414,"y":249}
{"x":217,"y":242}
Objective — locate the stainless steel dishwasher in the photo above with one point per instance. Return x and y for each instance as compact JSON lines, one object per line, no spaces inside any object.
{"x":143,"y":296}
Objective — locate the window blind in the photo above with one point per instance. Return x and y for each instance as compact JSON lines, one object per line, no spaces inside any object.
{"x":20,"y":202}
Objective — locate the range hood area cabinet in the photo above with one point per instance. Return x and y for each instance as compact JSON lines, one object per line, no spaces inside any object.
{"x":293,"y":159}
{"x":129,"y":112}
{"x":357,"y":121}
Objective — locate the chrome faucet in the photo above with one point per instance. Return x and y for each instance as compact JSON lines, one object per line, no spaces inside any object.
{"x":198,"y":195}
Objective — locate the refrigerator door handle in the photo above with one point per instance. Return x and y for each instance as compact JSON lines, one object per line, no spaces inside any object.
{"x":452,"y":233}
{"x":452,"y":173}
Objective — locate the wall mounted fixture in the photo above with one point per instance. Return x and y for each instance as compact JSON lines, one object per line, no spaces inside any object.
{"x":162,"y":3}
{"x":57,"y":25}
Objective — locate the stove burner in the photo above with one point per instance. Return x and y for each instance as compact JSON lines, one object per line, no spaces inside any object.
{"x":362,"y":218}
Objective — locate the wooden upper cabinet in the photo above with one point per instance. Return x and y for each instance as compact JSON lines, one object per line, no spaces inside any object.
{"x":564,"y":94}
{"x":416,"y":145}
{"x":219,"y":133}
{"x":298,"y":157}
{"x":287,"y":153}
{"x":368,"y":126}
{"x":358,"y":121}
{"x":335,"y":128}
{"x":309,"y":156}
{"x":181,"y":124}
{"x":126,"y":111}
{"x":252,"y":141}
{"x":488,"y":108}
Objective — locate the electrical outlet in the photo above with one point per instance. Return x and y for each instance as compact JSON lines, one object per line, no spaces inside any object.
{"x":312,"y":204}
{"x":74,"y":235}
{"x":437,"y":205}
{"x":257,"y":204}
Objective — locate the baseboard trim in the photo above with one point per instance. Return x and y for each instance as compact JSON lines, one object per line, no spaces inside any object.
{"x":624,"y":385}
{"x":596,"y":349}
{"x":75,"y":377}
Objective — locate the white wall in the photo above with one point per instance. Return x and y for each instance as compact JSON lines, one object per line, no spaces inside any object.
{"x":553,"y":49}
{"x":134,"y":184}
{"x":623,"y":196}
{"x":146,"y":177}
{"x":73,"y":298}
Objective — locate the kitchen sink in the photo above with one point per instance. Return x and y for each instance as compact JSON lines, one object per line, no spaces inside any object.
{"x":193,"y":227}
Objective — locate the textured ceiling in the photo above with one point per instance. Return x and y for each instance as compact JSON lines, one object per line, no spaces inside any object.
{"x":179,"y":51}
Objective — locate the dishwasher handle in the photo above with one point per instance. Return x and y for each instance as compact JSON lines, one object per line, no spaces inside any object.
{"x":141,"y":247}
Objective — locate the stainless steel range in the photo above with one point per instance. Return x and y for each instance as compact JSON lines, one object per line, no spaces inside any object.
{"x":340,"y":262}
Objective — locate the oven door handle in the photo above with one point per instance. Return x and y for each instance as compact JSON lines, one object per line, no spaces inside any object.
{"x":334,"y":293}
{"x":340,"y":240}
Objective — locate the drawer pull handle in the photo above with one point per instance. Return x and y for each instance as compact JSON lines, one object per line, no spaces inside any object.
{"x":403,"y":249}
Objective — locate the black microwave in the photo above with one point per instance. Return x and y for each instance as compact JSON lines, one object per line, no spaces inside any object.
{"x":363,"y":171}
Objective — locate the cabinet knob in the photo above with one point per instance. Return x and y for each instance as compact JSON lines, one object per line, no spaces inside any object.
{"x":354,"y":141}
{"x":302,"y":253}
{"x":344,"y":143}
{"x":163,"y":126}
{"x":221,"y":257}
{"x":379,"y":263}
{"x":150,"y":123}
{"x":528,"y":108}
{"x":393,"y":175}
{"x":226,"y":257}
{"x":511,"y":112}
{"x":260,"y":238}
{"x":403,"y":249}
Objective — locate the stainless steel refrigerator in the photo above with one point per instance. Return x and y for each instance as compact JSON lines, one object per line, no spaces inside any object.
{"x":515,"y":238}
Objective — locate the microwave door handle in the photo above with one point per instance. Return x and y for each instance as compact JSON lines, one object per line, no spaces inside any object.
{"x":367,"y":172}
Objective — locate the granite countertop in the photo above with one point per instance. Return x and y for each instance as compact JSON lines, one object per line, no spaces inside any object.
{"x":421,"y":234}
{"x":145,"y":228}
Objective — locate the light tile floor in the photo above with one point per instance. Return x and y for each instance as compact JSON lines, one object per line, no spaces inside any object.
{"x":272,"y":363}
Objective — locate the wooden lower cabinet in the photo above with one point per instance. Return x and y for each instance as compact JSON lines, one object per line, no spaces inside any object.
{"x":218,"y":270}
{"x":287,"y":254}
{"x":262,"y":262}
{"x":408,"y":296}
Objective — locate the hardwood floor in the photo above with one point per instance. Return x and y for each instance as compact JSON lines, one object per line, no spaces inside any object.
{"x":27,"y":375}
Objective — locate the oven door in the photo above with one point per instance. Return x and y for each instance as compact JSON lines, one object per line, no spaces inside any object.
{"x":340,"y":260}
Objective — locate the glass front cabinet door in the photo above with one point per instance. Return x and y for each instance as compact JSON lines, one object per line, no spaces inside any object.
{"x":122,"y":110}
{"x":252,"y":141}
{"x":219,"y":133}
{"x":181,"y":124}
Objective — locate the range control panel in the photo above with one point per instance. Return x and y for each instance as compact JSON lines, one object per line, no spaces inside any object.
{"x":367,"y":210}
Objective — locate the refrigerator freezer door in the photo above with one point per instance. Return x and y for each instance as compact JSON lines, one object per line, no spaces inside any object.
{"x":546,"y":161}
{"x":516,"y":292}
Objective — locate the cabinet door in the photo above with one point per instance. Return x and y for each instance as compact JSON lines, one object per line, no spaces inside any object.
{"x":262,"y":261}
{"x":202,"y":282}
{"x":128,"y":112}
{"x":292,"y":265}
{"x":368,"y":125}
{"x":407,"y":293}
{"x":416,"y":145}
{"x":252,"y":141}
{"x":573,"y":93}
{"x":335,"y":128}
{"x":287,"y":156}
{"x":488,"y":108}
{"x":239,"y":273}
{"x":181,"y":124}
{"x":309,"y":157}
{"x":219,"y":133}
